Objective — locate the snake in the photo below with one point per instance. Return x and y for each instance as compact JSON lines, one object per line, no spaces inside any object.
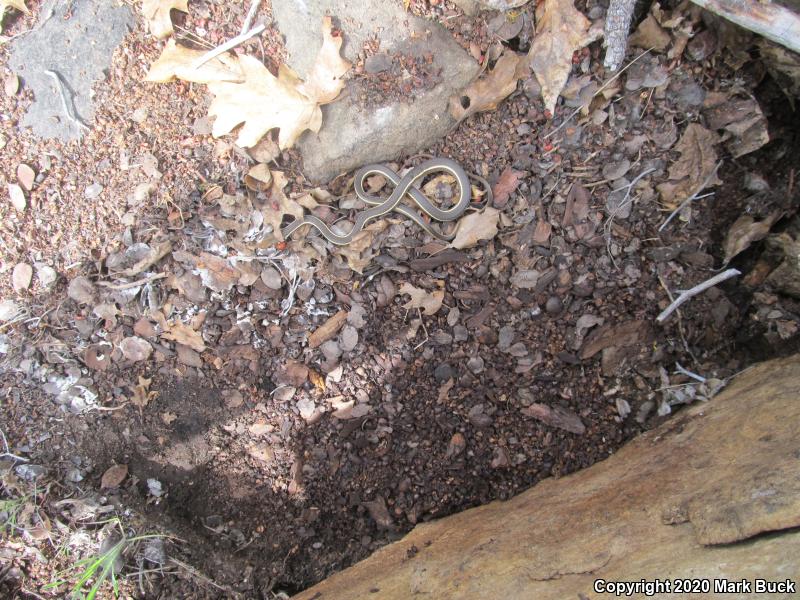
{"x":403,"y":187}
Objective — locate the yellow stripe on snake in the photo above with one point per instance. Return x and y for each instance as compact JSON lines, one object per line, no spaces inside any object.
{"x":404,"y":188}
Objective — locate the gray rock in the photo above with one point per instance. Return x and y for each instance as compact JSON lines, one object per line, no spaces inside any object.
{"x":443,"y":372}
{"x":351,"y":136}
{"x":78,"y":49}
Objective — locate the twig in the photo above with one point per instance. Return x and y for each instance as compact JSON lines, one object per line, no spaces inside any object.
{"x":680,"y":369}
{"x":699,"y":288}
{"x":692,"y":197}
{"x":626,"y":199}
{"x":198,"y":575}
{"x":232,"y":43}
{"x":600,"y":89}
{"x":6,"y":450}
{"x":248,"y":20}
{"x":425,"y":329}
{"x":68,"y":110}
{"x":132,"y":284}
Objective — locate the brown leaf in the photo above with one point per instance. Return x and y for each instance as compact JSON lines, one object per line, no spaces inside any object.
{"x":744,"y":231}
{"x":577,"y":208}
{"x":490,"y":89}
{"x":625,"y":334}
{"x":167,"y":418}
{"x":327,"y":330}
{"x":278,"y":205}
{"x":263,"y":102}
{"x":542,"y":232}
{"x":177,"y":62}
{"x":695,"y":166}
{"x":258,"y":178}
{"x":141,"y":394}
{"x":260,"y":103}
{"x":113,"y":476}
{"x":650,"y":34}
{"x":215,"y":272}
{"x":156,"y":12}
{"x":429,"y":302}
{"x":555,"y":416}
{"x":98,"y":356}
{"x":325,"y":81}
{"x":508,"y":182}
{"x":560,"y":31}
{"x":475,"y":227}
{"x":183,"y":334}
{"x":317,"y":379}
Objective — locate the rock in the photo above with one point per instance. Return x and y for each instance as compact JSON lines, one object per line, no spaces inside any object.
{"x":81,"y":290}
{"x":21,"y":277}
{"x":379,"y":513}
{"x":46,"y":275}
{"x":443,"y":372}
{"x":188,"y":357}
{"x":348,"y":338}
{"x":554,"y":305}
{"x":135,"y":349}
{"x":307,"y":408}
{"x":293,"y":373}
{"x":93,"y":191}
{"x":456,"y":446}
{"x":351,"y":137}
{"x":475,"y":364}
{"x":76,"y":44}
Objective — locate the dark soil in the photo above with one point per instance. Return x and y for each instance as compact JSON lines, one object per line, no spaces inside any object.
{"x":266,"y":499}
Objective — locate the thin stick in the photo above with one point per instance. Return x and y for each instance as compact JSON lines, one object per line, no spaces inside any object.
{"x":132,"y":284}
{"x":68,"y":110}
{"x":232,"y":43}
{"x":699,"y":288}
{"x":600,"y":89}
{"x":248,"y":20}
{"x":692,"y":197}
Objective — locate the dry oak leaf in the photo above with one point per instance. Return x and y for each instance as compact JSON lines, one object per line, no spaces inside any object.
{"x":142,"y":394}
{"x":183,"y":334}
{"x":475,"y":227}
{"x":278,"y":205}
{"x":324,"y":81}
{"x":264,"y":102}
{"x":561,"y":30}
{"x":694,"y":168}
{"x":176,"y":61}
{"x":746,"y":230}
{"x":486,"y":92}
{"x":16,"y":4}
{"x":157,"y":14}
{"x":429,"y":302}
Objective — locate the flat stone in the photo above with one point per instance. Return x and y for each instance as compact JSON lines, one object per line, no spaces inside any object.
{"x":352,"y":136}
{"x":77,"y":47}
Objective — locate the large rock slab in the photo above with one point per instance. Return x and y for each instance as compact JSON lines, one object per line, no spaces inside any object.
{"x":75,"y":41}
{"x":352,"y":136}
{"x":712,"y":493}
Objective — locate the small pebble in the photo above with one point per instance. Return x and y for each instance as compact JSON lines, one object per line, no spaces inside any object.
{"x":554,"y":305}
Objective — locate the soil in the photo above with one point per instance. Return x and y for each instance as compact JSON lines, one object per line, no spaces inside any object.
{"x":267,"y":496}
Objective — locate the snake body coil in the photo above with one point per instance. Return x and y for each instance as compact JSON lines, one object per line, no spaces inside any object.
{"x":404,"y":187}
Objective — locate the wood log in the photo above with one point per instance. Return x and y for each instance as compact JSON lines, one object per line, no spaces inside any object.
{"x":694,"y":498}
{"x":773,"y":21}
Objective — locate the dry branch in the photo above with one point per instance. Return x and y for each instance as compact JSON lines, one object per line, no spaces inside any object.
{"x":771,"y":20}
{"x":618,"y":23}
